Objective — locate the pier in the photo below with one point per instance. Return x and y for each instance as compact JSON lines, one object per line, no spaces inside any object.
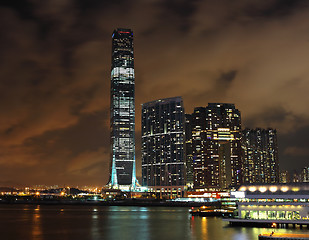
{"x":283,"y":236}
{"x":267,"y":223}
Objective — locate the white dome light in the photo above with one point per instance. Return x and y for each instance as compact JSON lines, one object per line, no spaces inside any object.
{"x":284,"y":189}
{"x":262,"y":189}
{"x":273,"y":189}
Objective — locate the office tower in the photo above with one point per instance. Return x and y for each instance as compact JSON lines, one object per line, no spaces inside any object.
{"x":122,"y":110}
{"x":260,"y":155}
{"x":216,"y":148}
{"x":188,"y":151}
{"x":162,"y":143}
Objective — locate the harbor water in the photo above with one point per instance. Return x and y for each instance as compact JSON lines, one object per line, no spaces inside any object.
{"x":68,"y":222}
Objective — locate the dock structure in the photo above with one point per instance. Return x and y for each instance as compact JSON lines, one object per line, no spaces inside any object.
{"x":283,"y":236}
{"x":267,"y":223}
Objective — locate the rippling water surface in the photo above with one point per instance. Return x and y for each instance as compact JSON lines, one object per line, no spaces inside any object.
{"x":95,"y":223}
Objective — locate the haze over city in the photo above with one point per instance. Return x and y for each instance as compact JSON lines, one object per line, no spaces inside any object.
{"x":55,"y":76}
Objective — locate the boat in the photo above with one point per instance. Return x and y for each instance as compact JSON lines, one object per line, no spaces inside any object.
{"x":205,"y":211}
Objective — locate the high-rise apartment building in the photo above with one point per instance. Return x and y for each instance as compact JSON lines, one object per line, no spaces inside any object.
{"x":163,"y":143}
{"x":260,"y":157}
{"x":122,"y":110}
{"x":216,"y":146}
{"x":305,"y":174}
{"x":284,"y":176}
{"x":296,"y":176}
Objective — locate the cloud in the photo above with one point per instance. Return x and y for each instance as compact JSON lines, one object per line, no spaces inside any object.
{"x":55,"y":74}
{"x":276,"y":117}
{"x":297,"y":151}
{"x":18,"y":155}
{"x":88,"y":164}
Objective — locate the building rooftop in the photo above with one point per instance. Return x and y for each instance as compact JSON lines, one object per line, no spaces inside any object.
{"x":274,"y":187}
{"x":163,"y":101}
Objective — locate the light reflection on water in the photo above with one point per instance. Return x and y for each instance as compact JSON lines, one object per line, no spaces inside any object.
{"x":36,"y":223}
{"x":98,"y":223}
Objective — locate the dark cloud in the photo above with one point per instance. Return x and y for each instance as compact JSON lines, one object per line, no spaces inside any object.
{"x":55,"y":63}
{"x":180,"y":11}
{"x":293,"y":148}
{"x":296,"y":151}
{"x":23,"y":8}
{"x":278,"y":8}
{"x":224,"y":81}
{"x":285,"y":121}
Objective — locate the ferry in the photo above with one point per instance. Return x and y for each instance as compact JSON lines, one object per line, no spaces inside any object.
{"x":206,"y":211}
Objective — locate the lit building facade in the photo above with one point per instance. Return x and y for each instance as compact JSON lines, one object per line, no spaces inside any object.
{"x":216,"y":146}
{"x":305,"y":174}
{"x":122,"y":111}
{"x":260,"y":157}
{"x":296,"y":176}
{"x":284,"y":176}
{"x":188,"y":151}
{"x":163,"y":143}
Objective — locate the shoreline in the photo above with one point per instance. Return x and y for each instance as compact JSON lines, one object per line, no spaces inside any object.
{"x":134,"y":203}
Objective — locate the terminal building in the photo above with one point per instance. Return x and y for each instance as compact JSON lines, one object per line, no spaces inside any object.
{"x":273,"y":203}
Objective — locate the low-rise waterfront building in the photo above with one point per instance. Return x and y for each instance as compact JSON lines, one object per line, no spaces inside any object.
{"x":273,"y":203}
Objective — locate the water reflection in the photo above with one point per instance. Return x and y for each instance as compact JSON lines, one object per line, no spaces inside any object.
{"x":95,"y":214}
{"x":95,"y":225}
{"x":111,"y":223}
{"x":128,"y":223}
{"x":204,"y":228}
{"x":36,"y":223}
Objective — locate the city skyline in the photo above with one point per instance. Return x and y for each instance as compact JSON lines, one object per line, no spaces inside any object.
{"x":55,"y":77}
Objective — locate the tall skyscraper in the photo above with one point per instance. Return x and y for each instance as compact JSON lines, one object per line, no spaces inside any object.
{"x":122,"y":111}
{"x":162,"y":143}
{"x":260,"y":155}
{"x":216,"y":146}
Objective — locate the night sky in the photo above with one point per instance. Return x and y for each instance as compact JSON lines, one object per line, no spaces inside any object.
{"x":55,"y":58}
